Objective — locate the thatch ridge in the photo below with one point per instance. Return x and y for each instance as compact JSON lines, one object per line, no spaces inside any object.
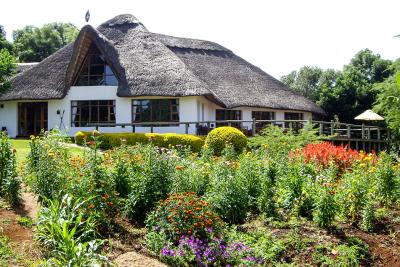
{"x":152,"y":64}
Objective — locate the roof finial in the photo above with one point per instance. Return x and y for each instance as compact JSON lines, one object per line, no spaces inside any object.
{"x":87,"y":16}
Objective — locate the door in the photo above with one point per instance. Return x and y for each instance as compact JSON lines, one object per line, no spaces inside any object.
{"x":32,"y":118}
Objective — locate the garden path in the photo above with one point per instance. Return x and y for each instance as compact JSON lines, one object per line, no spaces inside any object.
{"x":134,"y":259}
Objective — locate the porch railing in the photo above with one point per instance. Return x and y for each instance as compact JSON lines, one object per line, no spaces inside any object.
{"x":334,"y":130}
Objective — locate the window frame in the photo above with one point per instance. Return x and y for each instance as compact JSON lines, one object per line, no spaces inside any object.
{"x":173,"y":109}
{"x":79,"y":105}
{"x":234,"y":114}
{"x":87,"y":62}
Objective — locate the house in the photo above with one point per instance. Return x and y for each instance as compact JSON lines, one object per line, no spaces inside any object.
{"x":122,"y":73}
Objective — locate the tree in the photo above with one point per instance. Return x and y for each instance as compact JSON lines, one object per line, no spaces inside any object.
{"x":347,"y":93}
{"x":7,"y":69}
{"x":35,"y":44}
{"x":4,"y":44}
{"x":388,"y":102}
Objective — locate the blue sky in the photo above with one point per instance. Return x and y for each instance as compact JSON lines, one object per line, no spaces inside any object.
{"x":277,"y":36}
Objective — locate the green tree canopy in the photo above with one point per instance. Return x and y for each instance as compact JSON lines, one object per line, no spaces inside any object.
{"x":4,"y":44}
{"x":346,"y":93}
{"x":388,"y":102}
{"x":35,"y":44}
{"x":7,"y":69}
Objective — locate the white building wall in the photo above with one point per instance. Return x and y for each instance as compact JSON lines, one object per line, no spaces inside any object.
{"x":9,"y":117}
{"x":192,"y":108}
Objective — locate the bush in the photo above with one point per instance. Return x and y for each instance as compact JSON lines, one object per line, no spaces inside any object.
{"x":218,"y":138}
{"x":185,"y":214}
{"x":10,"y":185}
{"x":150,"y":176}
{"x":228,"y":195}
{"x":48,"y":161}
{"x":111,"y":140}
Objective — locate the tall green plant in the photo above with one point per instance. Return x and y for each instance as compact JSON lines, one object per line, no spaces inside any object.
{"x":10,"y":185}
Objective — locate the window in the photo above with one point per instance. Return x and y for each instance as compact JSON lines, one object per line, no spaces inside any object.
{"x":155,"y":110}
{"x":294,"y":116}
{"x":228,"y":114}
{"x":84,"y":113}
{"x":95,"y":71}
{"x":262,"y":115}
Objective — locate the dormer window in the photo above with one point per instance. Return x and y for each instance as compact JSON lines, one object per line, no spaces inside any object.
{"x":95,"y":70}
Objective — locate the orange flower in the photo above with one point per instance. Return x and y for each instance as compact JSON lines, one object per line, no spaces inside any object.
{"x":179,"y":168}
{"x":91,"y":206}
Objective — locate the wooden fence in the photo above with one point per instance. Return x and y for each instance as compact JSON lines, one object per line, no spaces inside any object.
{"x":356,"y":136}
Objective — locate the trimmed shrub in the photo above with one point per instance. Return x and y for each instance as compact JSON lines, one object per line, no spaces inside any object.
{"x":218,"y":138}
{"x":111,"y":140}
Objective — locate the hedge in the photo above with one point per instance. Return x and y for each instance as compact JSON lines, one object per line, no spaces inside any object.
{"x":110,"y":140}
{"x":218,"y":138}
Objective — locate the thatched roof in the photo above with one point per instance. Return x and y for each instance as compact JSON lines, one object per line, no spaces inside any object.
{"x":151,"y":64}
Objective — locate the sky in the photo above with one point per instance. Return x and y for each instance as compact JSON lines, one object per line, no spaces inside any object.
{"x":278,"y":36}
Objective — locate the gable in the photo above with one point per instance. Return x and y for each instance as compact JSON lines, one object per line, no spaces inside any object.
{"x":95,"y":70}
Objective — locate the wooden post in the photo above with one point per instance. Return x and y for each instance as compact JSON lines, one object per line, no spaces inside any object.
{"x":369,"y":133}
{"x":229,"y":124}
{"x":362,"y":131}
{"x":186,"y":128}
{"x":253,"y":127}
{"x":348,"y":131}
{"x":332,"y":128}
{"x":208,"y":127}
{"x":151,"y":128}
{"x":379,"y":139}
{"x":321,"y":128}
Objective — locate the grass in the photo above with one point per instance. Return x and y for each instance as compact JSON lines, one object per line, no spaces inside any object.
{"x":22,"y":147}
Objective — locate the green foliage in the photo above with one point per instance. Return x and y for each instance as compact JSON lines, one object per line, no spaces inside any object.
{"x":218,"y":138}
{"x":10,"y":185}
{"x":184,"y":214}
{"x":276,"y":143}
{"x":7,"y":69}
{"x":111,"y":140}
{"x":326,"y":207}
{"x":347,"y":93}
{"x":228,"y":195}
{"x":34,"y":44}
{"x":6,"y":252}
{"x":4,"y":43}
{"x":311,"y":82}
{"x":25,"y":222}
{"x":388,"y":102}
{"x":48,"y":161}
{"x":150,"y":180}
{"x":68,"y":234}
{"x":352,"y":253}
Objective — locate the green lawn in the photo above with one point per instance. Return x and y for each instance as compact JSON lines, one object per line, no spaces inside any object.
{"x":23,"y":149}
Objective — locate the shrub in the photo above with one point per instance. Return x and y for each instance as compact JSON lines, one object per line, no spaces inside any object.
{"x":388,"y":184}
{"x":151,"y":172}
{"x":48,"y":161}
{"x":10,"y":185}
{"x":218,"y":138}
{"x":111,"y":140}
{"x":185,"y":214}
{"x":229,"y":196}
{"x":325,"y":206}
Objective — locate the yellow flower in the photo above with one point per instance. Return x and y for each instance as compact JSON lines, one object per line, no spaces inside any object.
{"x":362,"y":165}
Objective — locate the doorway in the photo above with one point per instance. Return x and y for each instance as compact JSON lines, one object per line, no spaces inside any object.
{"x":32,"y":118}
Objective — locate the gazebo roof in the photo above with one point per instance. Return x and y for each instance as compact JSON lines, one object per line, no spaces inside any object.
{"x":369,"y":115}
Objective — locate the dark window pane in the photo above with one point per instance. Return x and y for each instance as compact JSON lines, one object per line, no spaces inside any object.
{"x":155,"y":110}
{"x":96,"y":80}
{"x":96,"y":111}
{"x":82,"y":81}
{"x":96,"y":71}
